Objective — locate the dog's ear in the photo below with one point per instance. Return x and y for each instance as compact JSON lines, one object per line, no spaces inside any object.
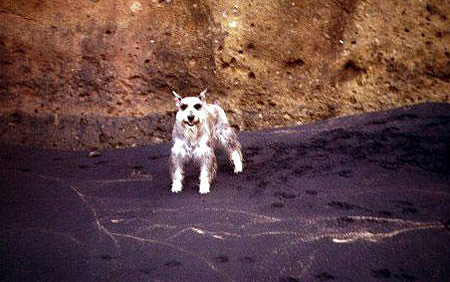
{"x":177,"y":97}
{"x":202,"y":95}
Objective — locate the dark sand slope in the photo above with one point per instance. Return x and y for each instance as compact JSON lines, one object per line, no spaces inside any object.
{"x":362,"y":198}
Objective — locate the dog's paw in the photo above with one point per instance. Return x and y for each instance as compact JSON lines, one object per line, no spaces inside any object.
{"x":238,"y":168}
{"x":176,"y":187}
{"x":237,"y":162}
{"x":204,"y":188}
{"x":204,"y":192}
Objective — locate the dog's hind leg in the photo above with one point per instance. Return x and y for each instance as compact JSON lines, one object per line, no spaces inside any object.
{"x":228,"y":139}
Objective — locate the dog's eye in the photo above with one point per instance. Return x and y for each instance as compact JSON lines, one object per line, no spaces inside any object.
{"x":183,"y":107}
{"x":198,"y":106}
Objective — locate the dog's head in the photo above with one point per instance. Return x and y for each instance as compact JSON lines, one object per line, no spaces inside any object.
{"x":191,"y":110}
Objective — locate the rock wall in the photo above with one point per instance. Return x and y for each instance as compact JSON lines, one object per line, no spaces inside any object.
{"x":98,"y":73}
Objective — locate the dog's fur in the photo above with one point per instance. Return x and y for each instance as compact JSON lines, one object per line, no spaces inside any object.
{"x":198,"y":128}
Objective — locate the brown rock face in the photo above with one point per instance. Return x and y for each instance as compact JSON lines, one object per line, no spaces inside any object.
{"x":99,"y":73}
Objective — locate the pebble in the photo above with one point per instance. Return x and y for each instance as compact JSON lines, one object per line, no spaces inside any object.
{"x":94,"y":154}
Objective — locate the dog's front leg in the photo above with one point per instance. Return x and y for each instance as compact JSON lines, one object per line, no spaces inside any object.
{"x":178,"y":156}
{"x":177,"y":160}
{"x":177,"y":175}
{"x":207,"y":171}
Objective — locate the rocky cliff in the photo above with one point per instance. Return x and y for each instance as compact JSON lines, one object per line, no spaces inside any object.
{"x":98,"y":73}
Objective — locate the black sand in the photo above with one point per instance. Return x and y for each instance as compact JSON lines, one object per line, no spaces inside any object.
{"x":363,"y":198}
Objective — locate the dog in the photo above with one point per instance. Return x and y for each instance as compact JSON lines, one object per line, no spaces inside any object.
{"x":199,"y":127}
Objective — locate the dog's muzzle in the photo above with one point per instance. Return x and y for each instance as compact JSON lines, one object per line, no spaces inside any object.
{"x":191,"y":121}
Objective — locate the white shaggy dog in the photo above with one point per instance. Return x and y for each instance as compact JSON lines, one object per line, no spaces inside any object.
{"x":199,"y":126}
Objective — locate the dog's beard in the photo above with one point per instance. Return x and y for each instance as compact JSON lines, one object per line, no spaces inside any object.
{"x":191,"y":132}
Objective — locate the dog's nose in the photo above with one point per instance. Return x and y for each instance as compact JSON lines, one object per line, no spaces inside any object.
{"x":190,"y":118}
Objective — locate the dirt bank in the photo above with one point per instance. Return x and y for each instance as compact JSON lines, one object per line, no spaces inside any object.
{"x":70,"y":68}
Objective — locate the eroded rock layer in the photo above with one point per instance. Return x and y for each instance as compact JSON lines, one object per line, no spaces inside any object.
{"x":98,"y":73}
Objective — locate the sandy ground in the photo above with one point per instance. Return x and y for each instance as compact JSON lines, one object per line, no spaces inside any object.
{"x":363,"y":198}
